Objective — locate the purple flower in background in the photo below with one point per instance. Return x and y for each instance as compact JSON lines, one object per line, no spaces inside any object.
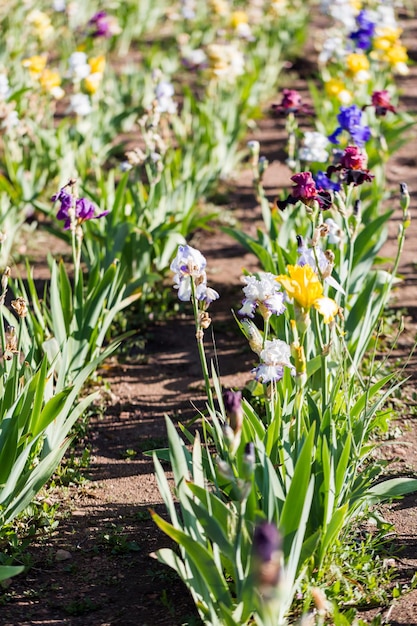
{"x":103,"y":25}
{"x":267,"y":554}
{"x":66,"y":200}
{"x":292,"y":103}
{"x":381,"y":102}
{"x":266,"y":541}
{"x":100,"y":25}
{"x":233,"y":406}
{"x":83,"y":209}
{"x":366,"y":30}
{"x":350,"y":120}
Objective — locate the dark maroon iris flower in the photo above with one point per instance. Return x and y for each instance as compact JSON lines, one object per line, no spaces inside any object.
{"x":292,"y":103}
{"x":381,"y":102}
{"x":351,"y":168}
{"x":306,"y":191}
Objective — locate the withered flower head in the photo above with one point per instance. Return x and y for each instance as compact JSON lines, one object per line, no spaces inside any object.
{"x":20,"y":307}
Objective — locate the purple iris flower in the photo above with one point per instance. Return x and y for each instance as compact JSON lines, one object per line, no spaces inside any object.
{"x":101,"y":25}
{"x":267,"y":541}
{"x":324,"y":182}
{"x":363,"y":36}
{"x":350,"y":120}
{"x":84,"y":209}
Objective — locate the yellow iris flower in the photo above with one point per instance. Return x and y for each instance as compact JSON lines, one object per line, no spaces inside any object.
{"x":237,"y":18}
{"x":335,"y":88}
{"x":396,"y":54}
{"x":50,"y":79}
{"x":303,"y":285}
{"x":97,"y":64}
{"x":35,"y":64}
{"x":357,"y":62}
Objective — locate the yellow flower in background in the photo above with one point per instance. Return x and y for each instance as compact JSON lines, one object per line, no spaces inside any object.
{"x":50,"y":81}
{"x":303,"y":285}
{"x":277,"y":8}
{"x":237,"y":18}
{"x":97,"y":64}
{"x":336,"y":88}
{"x":41,"y":24}
{"x":219,"y":7}
{"x":396,"y":54}
{"x":356,"y":5}
{"x":388,"y":49}
{"x":35,"y":64}
{"x":386,"y":37}
{"x":92,"y":82}
{"x":357,"y":62}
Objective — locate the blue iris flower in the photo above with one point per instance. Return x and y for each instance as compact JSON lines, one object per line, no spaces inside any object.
{"x":363,"y":36}
{"x":350,"y":120}
{"x":324,"y":182}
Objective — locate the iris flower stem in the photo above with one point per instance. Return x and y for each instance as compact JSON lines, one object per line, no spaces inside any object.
{"x":323,"y":366}
{"x":291,"y":126}
{"x":2,"y":332}
{"x":270,"y":406}
{"x":266,"y":331}
{"x":299,"y":395}
{"x":76,"y":256}
{"x":351,"y":241}
{"x":16,"y":360}
{"x":200,"y":344}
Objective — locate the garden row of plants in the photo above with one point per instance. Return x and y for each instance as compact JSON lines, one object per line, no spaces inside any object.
{"x":110,"y":144}
{"x":113,"y":142}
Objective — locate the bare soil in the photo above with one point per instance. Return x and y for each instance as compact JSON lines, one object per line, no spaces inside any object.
{"x":96,"y":568}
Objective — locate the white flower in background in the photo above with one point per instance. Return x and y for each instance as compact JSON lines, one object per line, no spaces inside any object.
{"x":278,"y":7}
{"x":189,"y":264}
{"x":9,"y":118}
{"x":194,"y":58}
{"x":263,"y":291}
{"x":275,"y":355}
{"x":188,"y":9}
{"x":335,"y":232}
{"x":321,"y":263}
{"x":79,"y":66}
{"x":332,"y":48}
{"x":315,"y":257}
{"x":80,"y":104}
{"x":342,"y":11}
{"x":384,"y":16}
{"x":226,"y":61}
{"x":41,"y":24}
{"x":59,"y":5}
{"x":239,"y":21}
{"x":314,"y":147}
{"x":163,"y":93}
{"x":4,"y":87}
